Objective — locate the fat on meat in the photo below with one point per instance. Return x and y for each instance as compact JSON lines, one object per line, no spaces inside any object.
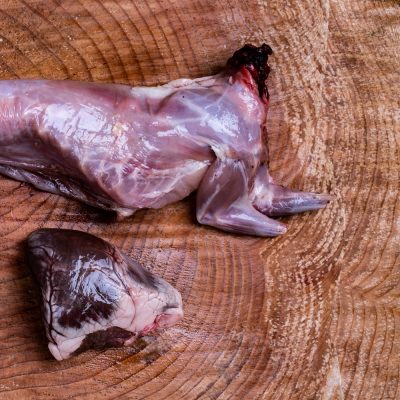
{"x":94,"y":296}
{"x":126,"y":148}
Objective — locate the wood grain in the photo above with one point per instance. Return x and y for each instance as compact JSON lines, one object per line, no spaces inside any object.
{"x":313,"y":314}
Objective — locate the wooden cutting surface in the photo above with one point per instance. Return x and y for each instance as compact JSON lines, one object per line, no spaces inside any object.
{"x":313,"y":314}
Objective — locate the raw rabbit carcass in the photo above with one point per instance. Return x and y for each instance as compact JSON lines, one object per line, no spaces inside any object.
{"x":125,"y":148}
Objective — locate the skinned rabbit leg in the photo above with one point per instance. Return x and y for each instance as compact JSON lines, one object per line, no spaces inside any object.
{"x":223,"y":202}
{"x":276,"y":200}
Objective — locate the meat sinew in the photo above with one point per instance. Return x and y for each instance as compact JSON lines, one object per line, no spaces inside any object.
{"x":124,"y":148}
{"x":93,"y":295}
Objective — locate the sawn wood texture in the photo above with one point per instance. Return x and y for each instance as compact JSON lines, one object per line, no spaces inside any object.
{"x":313,"y":314}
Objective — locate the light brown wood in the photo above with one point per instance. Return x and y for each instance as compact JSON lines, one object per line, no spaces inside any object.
{"x":313,"y":314}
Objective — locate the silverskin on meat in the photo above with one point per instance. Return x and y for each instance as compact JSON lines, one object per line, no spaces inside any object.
{"x":93,"y":296}
{"x":125,"y":148}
